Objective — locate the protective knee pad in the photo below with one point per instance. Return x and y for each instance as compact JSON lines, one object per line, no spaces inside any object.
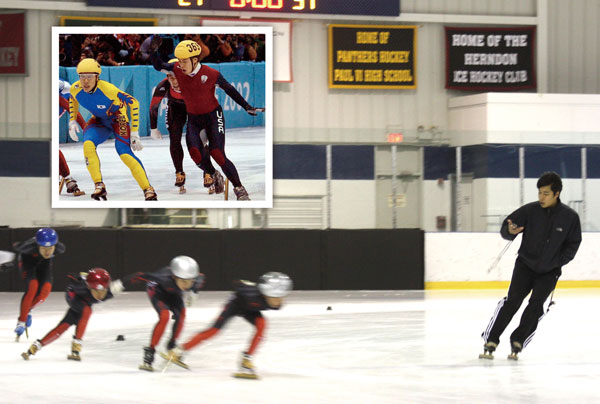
{"x":218,"y":156}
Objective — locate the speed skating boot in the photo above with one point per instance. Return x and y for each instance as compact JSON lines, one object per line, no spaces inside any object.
{"x":99,"y":192}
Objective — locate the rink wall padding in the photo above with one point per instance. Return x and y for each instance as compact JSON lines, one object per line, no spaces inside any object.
{"x":374,"y":259}
{"x":146,"y":250}
{"x":250,"y":253}
{"x":315,"y":259}
{"x":6,"y":277}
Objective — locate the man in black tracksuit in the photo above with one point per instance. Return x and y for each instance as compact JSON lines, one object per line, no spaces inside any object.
{"x":551,"y":237}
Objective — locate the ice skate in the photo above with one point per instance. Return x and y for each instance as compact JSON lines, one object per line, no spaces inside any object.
{"x":219,"y":182}
{"x":246,"y":369}
{"x":20,"y":329}
{"x":75,"y":350}
{"x":99,"y":192}
{"x":180,"y":181}
{"x":209,"y":183}
{"x":208,"y":180}
{"x":148,"y":359}
{"x":72,"y":188}
{"x":488,"y":349}
{"x":174,"y":356}
{"x":515,"y":347}
{"x":150,"y":194}
{"x":36,"y":346}
{"x":241,"y":193}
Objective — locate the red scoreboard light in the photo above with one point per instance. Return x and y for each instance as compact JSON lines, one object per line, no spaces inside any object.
{"x":342,"y":7}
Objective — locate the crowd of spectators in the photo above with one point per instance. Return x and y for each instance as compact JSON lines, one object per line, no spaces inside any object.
{"x":134,"y":49}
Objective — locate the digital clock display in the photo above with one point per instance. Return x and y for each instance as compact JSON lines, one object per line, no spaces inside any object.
{"x":342,"y":7}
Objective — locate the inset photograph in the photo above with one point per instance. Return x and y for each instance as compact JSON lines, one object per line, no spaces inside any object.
{"x":166,"y":117}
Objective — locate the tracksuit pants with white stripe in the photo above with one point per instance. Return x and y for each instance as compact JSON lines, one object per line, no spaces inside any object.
{"x":523,"y":281}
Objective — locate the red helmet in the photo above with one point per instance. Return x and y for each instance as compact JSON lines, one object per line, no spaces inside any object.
{"x":98,"y":278}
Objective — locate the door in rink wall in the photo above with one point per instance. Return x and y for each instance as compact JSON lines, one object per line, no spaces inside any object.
{"x":398,"y":202}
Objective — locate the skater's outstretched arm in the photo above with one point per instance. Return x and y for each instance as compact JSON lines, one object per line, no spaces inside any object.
{"x":236,"y":96}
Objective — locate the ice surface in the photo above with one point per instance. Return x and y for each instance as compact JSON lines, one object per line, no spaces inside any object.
{"x":372,"y":347}
{"x":245,"y":147}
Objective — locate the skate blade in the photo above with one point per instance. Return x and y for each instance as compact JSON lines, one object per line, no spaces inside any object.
{"x":486,"y":356}
{"x":240,"y":375}
{"x":145,"y":367}
{"x":512,"y":357}
{"x":174,"y":361}
{"x":25,"y":356}
{"x":182,"y":190}
{"x":74,"y":358}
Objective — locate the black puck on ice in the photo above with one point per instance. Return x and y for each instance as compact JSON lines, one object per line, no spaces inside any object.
{"x":328,"y":307}
{"x":120,"y":337}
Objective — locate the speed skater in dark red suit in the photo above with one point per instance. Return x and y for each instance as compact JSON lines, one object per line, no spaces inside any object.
{"x":198,"y":84}
{"x":247,"y":301}
{"x":83,"y":291}
{"x":35,"y":259}
{"x":165,"y":289}
{"x":176,"y":117}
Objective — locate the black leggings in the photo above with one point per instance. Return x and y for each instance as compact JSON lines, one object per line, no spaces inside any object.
{"x":214,"y":125}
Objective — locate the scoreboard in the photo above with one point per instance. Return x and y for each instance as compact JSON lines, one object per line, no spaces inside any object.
{"x":305,"y":7}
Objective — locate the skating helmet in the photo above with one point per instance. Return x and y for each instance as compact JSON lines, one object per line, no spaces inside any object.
{"x":184,"y":267}
{"x":98,"y":278}
{"x":275,"y":284}
{"x":89,"y":65}
{"x":187,"y":49}
{"x":46,"y":237}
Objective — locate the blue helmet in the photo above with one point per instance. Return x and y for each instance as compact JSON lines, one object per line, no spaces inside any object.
{"x":46,"y":237}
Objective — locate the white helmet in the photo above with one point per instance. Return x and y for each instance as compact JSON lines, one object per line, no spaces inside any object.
{"x":184,"y":267}
{"x":275,"y":284}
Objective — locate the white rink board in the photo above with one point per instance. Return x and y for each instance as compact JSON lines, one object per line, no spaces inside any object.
{"x":464,"y":257}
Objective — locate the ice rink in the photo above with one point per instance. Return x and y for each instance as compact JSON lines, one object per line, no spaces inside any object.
{"x":371,"y":347}
{"x":245,"y":147}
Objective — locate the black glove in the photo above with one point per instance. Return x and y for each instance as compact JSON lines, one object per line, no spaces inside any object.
{"x":170,"y":344}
